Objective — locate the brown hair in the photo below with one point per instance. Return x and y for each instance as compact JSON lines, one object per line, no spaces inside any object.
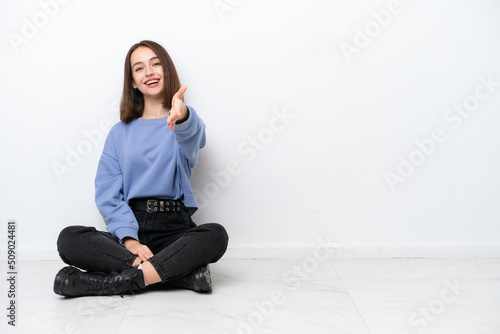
{"x":132,"y":105}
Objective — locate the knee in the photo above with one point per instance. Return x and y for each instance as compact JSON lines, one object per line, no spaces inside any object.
{"x":69,"y":236}
{"x":219,"y":235}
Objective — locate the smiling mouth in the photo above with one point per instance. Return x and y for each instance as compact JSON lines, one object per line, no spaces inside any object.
{"x":152,"y":82}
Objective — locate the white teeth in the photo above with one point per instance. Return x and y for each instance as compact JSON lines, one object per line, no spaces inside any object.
{"x":151,"y":82}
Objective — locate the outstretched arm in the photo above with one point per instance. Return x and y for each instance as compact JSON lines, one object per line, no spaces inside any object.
{"x":179,"y":112}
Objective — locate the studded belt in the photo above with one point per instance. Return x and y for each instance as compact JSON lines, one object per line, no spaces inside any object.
{"x":156,"y":205}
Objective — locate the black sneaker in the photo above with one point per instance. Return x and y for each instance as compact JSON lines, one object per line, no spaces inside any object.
{"x":72,"y":282}
{"x":198,"y":280}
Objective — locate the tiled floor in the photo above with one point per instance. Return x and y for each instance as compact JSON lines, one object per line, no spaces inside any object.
{"x":358,"y":296}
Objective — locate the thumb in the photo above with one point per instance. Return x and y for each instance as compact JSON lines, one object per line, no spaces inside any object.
{"x":180,"y":93}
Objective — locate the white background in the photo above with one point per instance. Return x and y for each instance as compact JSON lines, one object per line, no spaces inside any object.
{"x":320,"y":173}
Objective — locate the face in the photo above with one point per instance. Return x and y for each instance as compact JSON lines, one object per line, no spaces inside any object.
{"x":147,"y":71}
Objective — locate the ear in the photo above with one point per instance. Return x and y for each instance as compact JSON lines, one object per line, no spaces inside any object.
{"x":133,"y":84}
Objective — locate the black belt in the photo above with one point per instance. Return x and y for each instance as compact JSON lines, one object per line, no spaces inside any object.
{"x":154,"y":205}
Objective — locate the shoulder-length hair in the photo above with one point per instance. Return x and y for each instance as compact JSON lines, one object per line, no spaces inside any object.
{"x":132,"y":104}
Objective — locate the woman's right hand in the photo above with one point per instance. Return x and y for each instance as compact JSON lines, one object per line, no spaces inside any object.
{"x":136,"y":248}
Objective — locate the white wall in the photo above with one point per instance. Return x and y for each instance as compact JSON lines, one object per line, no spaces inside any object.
{"x":354,"y":107}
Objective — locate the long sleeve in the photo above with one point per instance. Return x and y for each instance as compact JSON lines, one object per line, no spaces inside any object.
{"x":109,"y":195}
{"x":190,"y":136}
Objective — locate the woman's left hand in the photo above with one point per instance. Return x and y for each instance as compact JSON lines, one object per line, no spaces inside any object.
{"x":179,"y":112}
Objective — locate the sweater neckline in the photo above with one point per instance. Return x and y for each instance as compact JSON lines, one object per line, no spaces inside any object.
{"x":153,"y":121}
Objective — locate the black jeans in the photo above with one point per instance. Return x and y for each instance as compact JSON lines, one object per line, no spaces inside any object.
{"x":178,"y":245}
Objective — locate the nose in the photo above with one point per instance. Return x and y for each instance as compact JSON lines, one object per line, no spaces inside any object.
{"x":149,"y":71}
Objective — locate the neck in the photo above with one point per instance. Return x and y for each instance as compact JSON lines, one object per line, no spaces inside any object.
{"x":153,"y":108}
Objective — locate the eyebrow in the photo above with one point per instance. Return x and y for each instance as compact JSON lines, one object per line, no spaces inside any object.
{"x":140,"y":62}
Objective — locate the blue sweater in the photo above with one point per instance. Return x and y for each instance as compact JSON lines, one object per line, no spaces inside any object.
{"x":146,"y":159}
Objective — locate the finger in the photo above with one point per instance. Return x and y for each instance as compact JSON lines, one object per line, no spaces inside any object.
{"x":147,"y":252}
{"x":142,"y":257}
{"x":171,"y":119}
{"x":180,"y":92}
{"x":145,"y":256}
{"x":171,"y":123}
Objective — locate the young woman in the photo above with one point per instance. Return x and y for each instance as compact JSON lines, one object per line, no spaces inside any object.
{"x":144,"y":194}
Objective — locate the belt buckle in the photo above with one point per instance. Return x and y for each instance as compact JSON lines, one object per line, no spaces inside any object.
{"x":148,"y":206}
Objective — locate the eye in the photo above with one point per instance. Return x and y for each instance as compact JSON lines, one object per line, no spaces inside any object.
{"x":137,"y":69}
{"x":157,"y":64}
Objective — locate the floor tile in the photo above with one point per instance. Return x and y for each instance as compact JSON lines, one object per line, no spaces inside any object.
{"x":243,"y":294}
{"x":432,"y":319}
{"x":247,"y":320}
{"x":377,"y":292}
{"x":417,"y":268}
{"x":274,"y":269}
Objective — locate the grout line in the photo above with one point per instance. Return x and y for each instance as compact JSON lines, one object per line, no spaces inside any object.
{"x":125,"y":315}
{"x":356,"y":306}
